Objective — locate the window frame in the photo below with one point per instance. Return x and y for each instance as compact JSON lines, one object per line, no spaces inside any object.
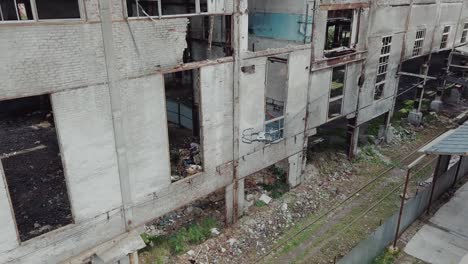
{"x":445,"y":36}
{"x":280,"y":119}
{"x":36,"y":19}
{"x":161,"y":16}
{"x":7,"y":190}
{"x":338,"y":97}
{"x":384,"y":59}
{"x":419,"y":42}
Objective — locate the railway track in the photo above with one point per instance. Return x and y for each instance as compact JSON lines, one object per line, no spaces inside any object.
{"x":372,"y":186}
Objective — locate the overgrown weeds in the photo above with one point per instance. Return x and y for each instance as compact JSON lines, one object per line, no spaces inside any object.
{"x":387,"y":257}
{"x":160,"y":247}
{"x":279,"y":186}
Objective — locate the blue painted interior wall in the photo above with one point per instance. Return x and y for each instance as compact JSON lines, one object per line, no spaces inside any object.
{"x":282,"y":26}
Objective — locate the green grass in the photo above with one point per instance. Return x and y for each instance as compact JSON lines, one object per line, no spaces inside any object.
{"x":386,"y":257}
{"x":160,"y":247}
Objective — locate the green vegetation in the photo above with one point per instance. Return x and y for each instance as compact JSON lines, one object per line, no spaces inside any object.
{"x":369,"y":154}
{"x":403,"y":112}
{"x":280,"y":186}
{"x":160,"y":247}
{"x":260,"y":203}
{"x":387,"y":257}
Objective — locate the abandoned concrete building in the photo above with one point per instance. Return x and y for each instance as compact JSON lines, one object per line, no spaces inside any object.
{"x":113,"y":113}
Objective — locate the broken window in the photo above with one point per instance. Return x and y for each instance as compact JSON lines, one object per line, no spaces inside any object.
{"x":45,"y":9}
{"x":382,"y":67}
{"x":278,"y":25}
{"x":183,"y":121}
{"x":339,"y":32}
{"x":30,"y":156}
{"x":150,"y":8}
{"x":275,"y":97}
{"x":336,"y":91}
{"x":419,"y":42}
{"x":445,"y":35}
{"x":142,"y":8}
{"x":464,"y":33}
{"x":11,"y":10}
{"x":208,"y":37}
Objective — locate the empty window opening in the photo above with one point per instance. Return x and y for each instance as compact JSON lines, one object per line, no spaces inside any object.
{"x":337,"y":92}
{"x":268,"y":184}
{"x":142,"y":8}
{"x":445,"y":35}
{"x":382,"y":67}
{"x":279,"y":25}
{"x":275,"y":97}
{"x":464,"y":33}
{"x":31,"y":160}
{"x":183,"y":122}
{"x":45,"y":9}
{"x":151,"y":8}
{"x":208,"y":37}
{"x":11,"y":10}
{"x":419,"y":42}
{"x":338,"y":39}
{"x":57,"y":9}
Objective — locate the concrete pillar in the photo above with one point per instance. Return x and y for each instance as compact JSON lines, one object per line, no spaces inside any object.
{"x":234,"y":198}
{"x":415,"y":117}
{"x":8,"y":239}
{"x":295,"y":169}
{"x":352,"y":138}
{"x":386,"y":131}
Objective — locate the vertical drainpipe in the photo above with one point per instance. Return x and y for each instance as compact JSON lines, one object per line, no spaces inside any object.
{"x":116,"y":109}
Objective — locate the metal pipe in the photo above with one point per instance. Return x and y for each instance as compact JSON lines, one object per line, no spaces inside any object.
{"x":402,"y":204}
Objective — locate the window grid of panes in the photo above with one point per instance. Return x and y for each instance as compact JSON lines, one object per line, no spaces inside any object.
{"x":382,"y":67}
{"x":464,"y":33}
{"x":445,"y":35}
{"x":419,"y":42}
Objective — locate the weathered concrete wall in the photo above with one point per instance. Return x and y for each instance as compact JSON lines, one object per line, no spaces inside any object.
{"x":147,"y":154}
{"x":88,"y":150}
{"x":48,"y":58}
{"x":68,"y":60}
{"x":256,"y":156}
{"x":9,"y":236}
{"x":145,"y":46}
{"x":319,"y":93}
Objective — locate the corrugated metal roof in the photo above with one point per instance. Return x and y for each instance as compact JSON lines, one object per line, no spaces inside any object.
{"x":453,"y":142}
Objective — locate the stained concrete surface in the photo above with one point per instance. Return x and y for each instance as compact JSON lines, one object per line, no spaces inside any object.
{"x":444,"y":239}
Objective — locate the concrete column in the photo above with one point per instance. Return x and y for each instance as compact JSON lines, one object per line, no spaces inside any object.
{"x":295,"y":169}
{"x":9,"y":238}
{"x":234,"y":198}
{"x":352,"y":137}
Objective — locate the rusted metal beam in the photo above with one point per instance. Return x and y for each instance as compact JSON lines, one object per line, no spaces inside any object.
{"x":434,"y":179}
{"x":343,"y":6}
{"x":403,"y":197}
